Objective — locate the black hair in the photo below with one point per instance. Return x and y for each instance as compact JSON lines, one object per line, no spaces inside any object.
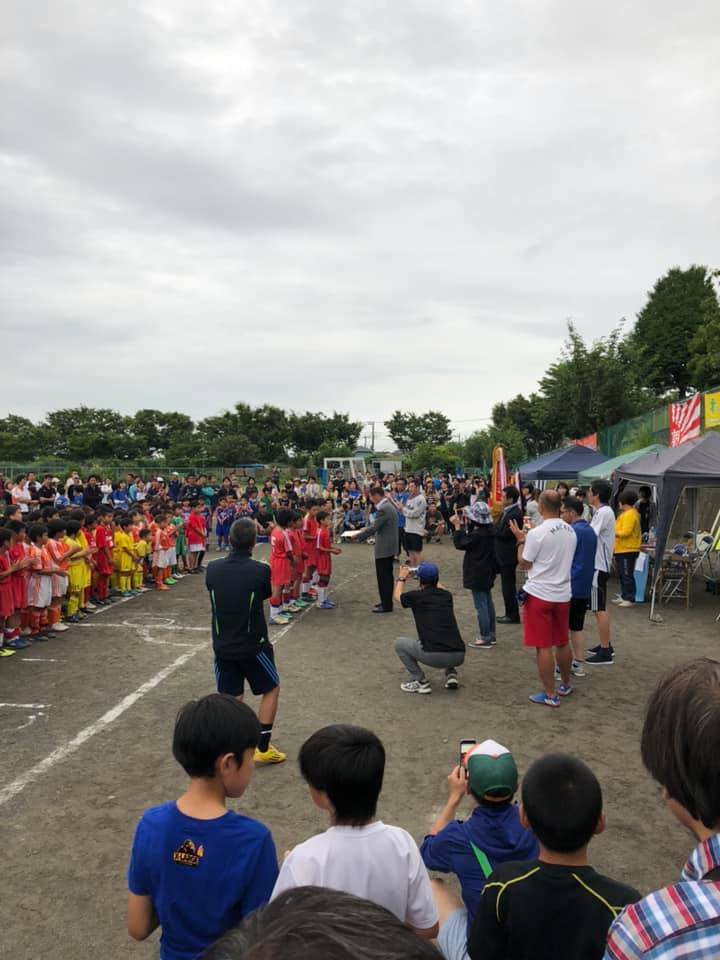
{"x":47,"y":512}
{"x":645,"y":491}
{"x":36,"y":530}
{"x":602,"y":490}
{"x":11,"y":509}
{"x":512,"y":493}
{"x":125,"y":522}
{"x":305,"y":923}
{"x":243,"y":534}
{"x":563,"y":802}
{"x":572,"y":503}
{"x":208,"y":728}
{"x":680,"y":736}
{"x":284,"y":517}
{"x":628,"y":498}
{"x":72,"y":527}
{"x":17,"y":526}
{"x":528,"y":484}
{"x":347,"y":763}
{"x":33,"y":516}
{"x":57,"y":526}
{"x":5,"y":535}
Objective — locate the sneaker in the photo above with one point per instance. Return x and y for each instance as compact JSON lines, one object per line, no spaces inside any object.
{"x":126,"y":594}
{"x":617,"y":600}
{"x":280,"y":619}
{"x":416,"y":686}
{"x":25,"y":632}
{"x":611,"y":648}
{"x":39,"y":638}
{"x":89,"y":606}
{"x":600,"y":658}
{"x":294,"y":608}
{"x":626,"y":603}
{"x":60,"y":627}
{"x":73,"y":619}
{"x":544,"y":700}
{"x":325,"y":605}
{"x":493,"y":640}
{"x":371,"y":540}
{"x":577,"y":669}
{"x":565,"y":690}
{"x":159,"y":586}
{"x":451,"y":681}
{"x":6,"y":652}
{"x":18,"y":643}
{"x":271,"y":755}
{"x":482,"y":643}
{"x":170,"y":581}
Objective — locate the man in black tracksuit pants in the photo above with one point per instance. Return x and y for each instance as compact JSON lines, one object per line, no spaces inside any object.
{"x":506,"y":553}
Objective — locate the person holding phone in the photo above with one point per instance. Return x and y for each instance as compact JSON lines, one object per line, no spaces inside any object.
{"x":471,"y":849}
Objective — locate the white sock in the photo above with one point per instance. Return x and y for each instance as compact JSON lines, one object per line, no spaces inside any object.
{"x":321,"y":594}
{"x":315,"y":578}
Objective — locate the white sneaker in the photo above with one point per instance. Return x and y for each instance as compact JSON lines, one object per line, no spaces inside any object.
{"x":617,"y":599}
{"x":60,"y":627}
{"x":25,"y":632}
{"x":626,"y":603}
{"x":577,"y":669}
{"x":90,"y":606}
{"x":416,"y":686}
{"x":280,"y":619}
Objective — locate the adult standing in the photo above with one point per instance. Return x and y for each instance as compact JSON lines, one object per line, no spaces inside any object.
{"x":603,"y":523}
{"x":476,"y":541}
{"x":239,"y":587}
{"x":506,"y":553}
{"x":531,"y":505}
{"x":547,"y":554}
{"x":385,"y":532}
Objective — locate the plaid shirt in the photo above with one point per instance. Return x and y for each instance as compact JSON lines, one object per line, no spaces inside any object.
{"x":679,"y":921}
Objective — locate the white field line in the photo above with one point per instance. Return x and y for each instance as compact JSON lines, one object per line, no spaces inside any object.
{"x":69,"y":747}
{"x":281,"y":633}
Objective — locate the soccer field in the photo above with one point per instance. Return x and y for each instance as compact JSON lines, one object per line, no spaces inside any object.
{"x":87,"y":722}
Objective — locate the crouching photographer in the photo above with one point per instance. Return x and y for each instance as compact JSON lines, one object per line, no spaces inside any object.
{"x":438,"y":643}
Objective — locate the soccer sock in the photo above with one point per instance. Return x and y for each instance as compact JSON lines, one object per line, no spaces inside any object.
{"x":265,"y":733}
{"x":306,"y":587}
{"x":24,"y":619}
{"x":35,"y":622}
{"x":321,"y":594}
{"x":274,"y":607}
{"x":285,"y":599}
{"x":201,"y":554}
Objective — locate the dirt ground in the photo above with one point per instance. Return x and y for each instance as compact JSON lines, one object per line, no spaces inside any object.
{"x":87,"y":722}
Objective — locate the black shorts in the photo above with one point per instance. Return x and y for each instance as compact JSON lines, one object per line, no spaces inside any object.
{"x":413,"y":542}
{"x":260,"y":673}
{"x":598,"y":597}
{"x":578,"y":609}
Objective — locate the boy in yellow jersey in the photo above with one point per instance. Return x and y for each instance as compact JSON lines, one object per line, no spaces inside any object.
{"x":124,"y":555}
{"x":142,"y":550}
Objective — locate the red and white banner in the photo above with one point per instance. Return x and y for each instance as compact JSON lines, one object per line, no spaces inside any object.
{"x":499,"y":475}
{"x":589,"y":441}
{"x":684,"y":420}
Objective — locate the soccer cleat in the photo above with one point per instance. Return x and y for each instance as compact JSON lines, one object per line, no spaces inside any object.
{"x":25,"y":632}
{"x":89,"y":606}
{"x":451,"y":681}
{"x":17,"y":643}
{"x":6,"y":652}
{"x":271,"y":755}
{"x":565,"y":691}
{"x":40,"y":638}
{"x":416,"y":686}
{"x":294,"y":607}
{"x":280,"y":619}
{"x":325,"y":605}
{"x":170,"y":581}
{"x":544,"y":700}
{"x":60,"y":627}
{"x":600,"y":658}
{"x":161,"y":586}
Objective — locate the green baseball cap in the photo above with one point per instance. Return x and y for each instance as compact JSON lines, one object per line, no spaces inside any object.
{"x":492,"y":772}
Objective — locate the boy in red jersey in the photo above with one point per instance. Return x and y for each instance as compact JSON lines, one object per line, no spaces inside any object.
{"x":310,"y":532}
{"x":281,"y":560}
{"x":196,"y":532}
{"x":325,"y":550}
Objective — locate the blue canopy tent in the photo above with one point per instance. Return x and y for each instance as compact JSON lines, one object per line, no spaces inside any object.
{"x":563,"y":464}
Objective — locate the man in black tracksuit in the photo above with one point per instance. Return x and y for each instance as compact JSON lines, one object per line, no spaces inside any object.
{"x":239,"y":587}
{"x":506,"y":553}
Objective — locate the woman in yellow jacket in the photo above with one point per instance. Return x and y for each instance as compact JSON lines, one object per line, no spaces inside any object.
{"x":627,"y":546}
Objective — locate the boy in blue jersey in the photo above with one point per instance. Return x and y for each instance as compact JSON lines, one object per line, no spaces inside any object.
{"x":472,"y":848}
{"x":197,"y":869}
{"x":581,"y":578}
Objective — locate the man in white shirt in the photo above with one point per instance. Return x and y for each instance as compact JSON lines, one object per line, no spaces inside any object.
{"x":344,"y":767}
{"x":547,"y":552}
{"x":603,"y":523}
{"x":414,"y":510}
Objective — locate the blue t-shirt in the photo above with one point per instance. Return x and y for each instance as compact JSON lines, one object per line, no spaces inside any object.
{"x":583,"y":565}
{"x":203,"y":876}
{"x":496,"y":834}
{"x":403,"y":499}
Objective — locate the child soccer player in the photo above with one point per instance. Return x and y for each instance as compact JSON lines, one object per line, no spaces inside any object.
{"x":557,"y":905}
{"x":59,"y":551}
{"x":324,"y":550}
{"x":40,"y":580}
{"x":124,"y":555}
{"x":7,"y":603}
{"x":20,"y":563}
{"x":142,"y":552}
{"x":76,"y":571}
{"x":310,"y":532}
{"x":297,"y":539}
{"x":195,"y":530}
{"x":344,"y":768}
{"x":103,"y":557}
{"x":223,"y":519}
{"x":472,"y":848}
{"x":281,"y":560}
{"x":197,"y":868}
{"x":177,"y":521}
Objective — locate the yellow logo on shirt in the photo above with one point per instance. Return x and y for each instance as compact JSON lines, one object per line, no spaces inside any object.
{"x":188,"y":854}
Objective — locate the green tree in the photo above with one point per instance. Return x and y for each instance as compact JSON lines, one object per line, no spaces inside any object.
{"x":232,"y":450}
{"x":445,"y":456}
{"x":155,"y":430}
{"x":308,"y":432}
{"x":87,"y":433}
{"x":675,"y":311}
{"x":19,"y":439}
{"x":266,"y":427}
{"x":704,"y":363}
{"x":479,"y":446}
{"x":409,"y":429}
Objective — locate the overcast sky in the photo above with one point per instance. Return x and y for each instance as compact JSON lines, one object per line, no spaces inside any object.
{"x":340,"y":204}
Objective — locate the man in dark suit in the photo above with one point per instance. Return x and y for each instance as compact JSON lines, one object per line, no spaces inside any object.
{"x":506,"y":553}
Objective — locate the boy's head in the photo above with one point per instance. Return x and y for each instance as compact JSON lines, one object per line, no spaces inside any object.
{"x":38,"y":533}
{"x":571,"y":510}
{"x":144,"y":533}
{"x":627,"y":499}
{"x":679,"y":741}
{"x":492,"y":773}
{"x":562,"y":803}
{"x":644,"y":493}
{"x":323,"y":518}
{"x":216,"y":736}
{"x":344,"y":767}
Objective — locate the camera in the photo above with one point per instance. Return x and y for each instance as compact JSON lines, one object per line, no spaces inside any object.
{"x":412,"y":572}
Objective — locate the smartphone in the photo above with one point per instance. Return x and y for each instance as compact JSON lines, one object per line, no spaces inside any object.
{"x":465,"y":748}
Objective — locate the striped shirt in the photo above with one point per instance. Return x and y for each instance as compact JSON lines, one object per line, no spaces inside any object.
{"x":679,"y":922}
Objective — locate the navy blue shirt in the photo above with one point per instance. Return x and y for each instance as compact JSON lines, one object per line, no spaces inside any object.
{"x":583,"y":565}
{"x":496,"y":833}
{"x":203,"y":876}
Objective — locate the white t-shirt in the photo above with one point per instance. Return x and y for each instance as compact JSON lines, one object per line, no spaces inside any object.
{"x":550,"y":548}
{"x":376,"y":862}
{"x":603,"y":523}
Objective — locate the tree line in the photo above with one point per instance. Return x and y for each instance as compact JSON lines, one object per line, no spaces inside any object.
{"x":672,"y":348}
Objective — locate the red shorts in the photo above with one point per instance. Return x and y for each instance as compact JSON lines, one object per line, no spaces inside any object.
{"x":281,"y":572}
{"x":545,"y":624}
{"x":7,"y":603}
